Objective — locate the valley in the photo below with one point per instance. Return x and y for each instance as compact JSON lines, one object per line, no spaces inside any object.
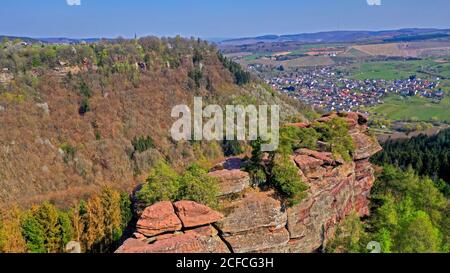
{"x":403,"y":82}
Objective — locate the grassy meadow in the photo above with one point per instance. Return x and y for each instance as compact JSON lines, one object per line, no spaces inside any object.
{"x":412,"y":108}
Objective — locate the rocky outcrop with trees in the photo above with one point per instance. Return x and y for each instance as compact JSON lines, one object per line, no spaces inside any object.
{"x":263,"y":218}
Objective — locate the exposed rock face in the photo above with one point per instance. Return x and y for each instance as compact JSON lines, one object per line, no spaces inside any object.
{"x":254,"y":210}
{"x":157,"y":219}
{"x":160,"y":230}
{"x":231,"y":178}
{"x":258,"y":240}
{"x":193,"y":214}
{"x":185,"y":243}
{"x":365,"y":146}
{"x":257,"y":221}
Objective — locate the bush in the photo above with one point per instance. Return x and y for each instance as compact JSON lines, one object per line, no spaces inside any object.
{"x":161,"y":185}
{"x":293,"y":138}
{"x":286,"y":179}
{"x":232,"y":148}
{"x":335,"y":133}
{"x":85,"y":91}
{"x":69,"y":152}
{"x":84,"y":107}
{"x":196,"y":185}
{"x":142,"y":144}
{"x":164,"y":184}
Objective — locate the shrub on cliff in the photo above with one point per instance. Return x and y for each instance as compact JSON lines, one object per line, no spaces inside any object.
{"x":335,"y":133}
{"x":285,"y":178}
{"x":293,"y":138}
{"x":196,"y":185}
{"x":164,"y":184}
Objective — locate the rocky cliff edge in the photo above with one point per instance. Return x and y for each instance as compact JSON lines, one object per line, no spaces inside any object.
{"x":256,"y":221}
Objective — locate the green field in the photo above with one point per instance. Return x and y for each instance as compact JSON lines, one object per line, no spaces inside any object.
{"x":256,"y":56}
{"x":412,"y":108}
{"x":392,"y":70}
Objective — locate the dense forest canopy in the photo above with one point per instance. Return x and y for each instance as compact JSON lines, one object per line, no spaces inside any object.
{"x":409,"y":215}
{"x":427,"y":155}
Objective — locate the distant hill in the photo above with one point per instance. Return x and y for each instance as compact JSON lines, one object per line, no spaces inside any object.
{"x":347,"y":36}
{"x":54,"y":40}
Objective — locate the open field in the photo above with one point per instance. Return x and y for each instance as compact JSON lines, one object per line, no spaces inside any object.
{"x":392,"y":70}
{"x":412,"y":49}
{"x":393,"y":49}
{"x":306,"y":61}
{"x":412,"y":108}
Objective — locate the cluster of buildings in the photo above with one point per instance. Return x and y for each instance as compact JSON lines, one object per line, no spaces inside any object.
{"x":329,"y":90}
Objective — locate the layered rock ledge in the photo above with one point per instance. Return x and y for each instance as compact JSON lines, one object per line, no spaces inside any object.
{"x":251,"y":220}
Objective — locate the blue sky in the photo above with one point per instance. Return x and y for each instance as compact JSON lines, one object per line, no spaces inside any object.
{"x":213,"y":18}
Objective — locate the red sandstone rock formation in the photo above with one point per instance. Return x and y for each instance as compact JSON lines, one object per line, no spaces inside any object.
{"x":254,"y":210}
{"x":231,"y":181}
{"x":158,"y":219}
{"x":257,"y":221}
{"x":160,"y":230}
{"x":193,"y":214}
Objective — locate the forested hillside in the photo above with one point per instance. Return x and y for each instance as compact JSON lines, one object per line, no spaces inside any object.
{"x":74,"y":118}
{"x":410,"y":200}
{"x":427,"y":155}
{"x":409,"y":215}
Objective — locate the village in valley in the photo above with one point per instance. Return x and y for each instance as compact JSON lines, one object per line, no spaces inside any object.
{"x":329,"y":90}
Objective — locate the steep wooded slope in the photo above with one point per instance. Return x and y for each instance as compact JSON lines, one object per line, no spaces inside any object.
{"x":74,"y":118}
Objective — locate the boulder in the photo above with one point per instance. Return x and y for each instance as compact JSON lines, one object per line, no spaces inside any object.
{"x":44,"y":107}
{"x":365,"y":145}
{"x":310,"y":166}
{"x":203,"y":231}
{"x":157,"y":219}
{"x":327,"y":202}
{"x":132,"y":246}
{"x":231,"y":181}
{"x":306,"y":162}
{"x":254,"y":210}
{"x":164,"y":236}
{"x":193,"y":214}
{"x":326,"y":157}
{"x":186,"y":243}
